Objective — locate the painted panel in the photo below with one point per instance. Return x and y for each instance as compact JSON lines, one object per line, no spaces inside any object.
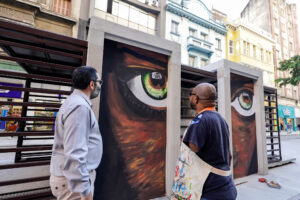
{"x":132,"y":123}
{"x":243,"y":126}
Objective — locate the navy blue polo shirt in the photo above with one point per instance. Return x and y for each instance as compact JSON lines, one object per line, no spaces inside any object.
{"x":209,"y":132}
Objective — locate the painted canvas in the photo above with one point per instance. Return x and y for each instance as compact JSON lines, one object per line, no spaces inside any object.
{"x":132,"y":123}
{"x":243,"y":126}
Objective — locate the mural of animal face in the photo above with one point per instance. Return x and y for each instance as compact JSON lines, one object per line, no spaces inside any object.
{"x":243,"y":126}
{"x":133,"y":123}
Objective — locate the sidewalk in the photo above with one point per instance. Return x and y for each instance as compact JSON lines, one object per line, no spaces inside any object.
{"x":294,"y":133}
{"x":288,"y":176}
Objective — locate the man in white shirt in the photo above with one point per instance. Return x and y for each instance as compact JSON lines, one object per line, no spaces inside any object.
{"x":77,"y":148}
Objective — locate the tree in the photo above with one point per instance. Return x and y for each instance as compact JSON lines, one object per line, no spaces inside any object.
{"x":292,"y":66}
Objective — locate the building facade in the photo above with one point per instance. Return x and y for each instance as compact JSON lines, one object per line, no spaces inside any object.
{"x":191,"y":24}
{"x":251,"y":46}
{"x":280,"y":19}
{"x":51,"y":15}
{"x":142,"y":15}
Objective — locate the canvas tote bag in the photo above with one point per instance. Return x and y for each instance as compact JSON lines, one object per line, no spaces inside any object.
{"x":191,"y":173}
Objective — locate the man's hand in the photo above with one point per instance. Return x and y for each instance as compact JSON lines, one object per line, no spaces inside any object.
{"x":193,"y":147}
{"x":88,"y":197}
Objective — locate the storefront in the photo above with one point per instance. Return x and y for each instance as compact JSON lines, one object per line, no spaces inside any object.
{"x":297,"y":116}
{"x":9,"y":110}
{"x":287,"y":120}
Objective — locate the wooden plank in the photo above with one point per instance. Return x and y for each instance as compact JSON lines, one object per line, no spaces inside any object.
{"x":39,"y":33}
{"x":25,"y":180}
{"x":27,"y":164}
{"x":40,"y":63}
{"x":37,"y":90}
{"x":17,"y":149}
{"x":48,"y":41}
{"x":7,"y":134}
{"x":27,"y":119}
{"x":34,"y":76}
{"x":39,"y":49}
{"x":33,"y":104}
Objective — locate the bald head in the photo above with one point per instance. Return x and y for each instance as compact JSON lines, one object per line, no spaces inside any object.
{"x":205,"y":91}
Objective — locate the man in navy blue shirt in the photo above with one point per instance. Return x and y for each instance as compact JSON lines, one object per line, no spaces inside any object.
{"x":208,"y":136}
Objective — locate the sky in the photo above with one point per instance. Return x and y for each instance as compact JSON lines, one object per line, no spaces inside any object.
{"x":233,"y":8}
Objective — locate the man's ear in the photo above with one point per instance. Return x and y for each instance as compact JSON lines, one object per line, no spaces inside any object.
{"x":92,"y":85}
{"x":197,"y":99}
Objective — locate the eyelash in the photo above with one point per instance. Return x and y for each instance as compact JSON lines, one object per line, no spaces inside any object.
{"x":236,"y":104}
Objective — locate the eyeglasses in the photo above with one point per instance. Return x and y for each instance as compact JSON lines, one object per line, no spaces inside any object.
{"x":99,"y":81}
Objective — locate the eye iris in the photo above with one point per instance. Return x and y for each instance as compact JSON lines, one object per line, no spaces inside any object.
{"x":245,"y":100}
{"x":155,"y":85}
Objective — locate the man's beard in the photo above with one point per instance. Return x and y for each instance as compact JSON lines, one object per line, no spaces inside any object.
{"x":95,"y":92}
{"x":193,"y":106}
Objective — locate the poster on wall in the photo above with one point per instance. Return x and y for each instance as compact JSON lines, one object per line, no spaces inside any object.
{"x":243,"y":126}
{"x":132,"y":123}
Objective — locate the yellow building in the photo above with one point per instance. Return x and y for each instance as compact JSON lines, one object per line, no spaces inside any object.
{"x":251,"y":46}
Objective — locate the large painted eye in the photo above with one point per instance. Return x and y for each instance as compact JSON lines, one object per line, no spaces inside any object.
{"x":243,"y":103}
{"x":150,"y":88}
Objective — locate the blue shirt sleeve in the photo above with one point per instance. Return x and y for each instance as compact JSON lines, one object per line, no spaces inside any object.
{"x":196,"y":133}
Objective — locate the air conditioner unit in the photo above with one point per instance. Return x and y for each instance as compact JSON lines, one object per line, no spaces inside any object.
{"x":155,"y":3}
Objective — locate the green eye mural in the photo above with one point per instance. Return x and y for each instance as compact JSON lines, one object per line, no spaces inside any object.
{"x":243,"y":103}
{"x":155,"y":85}
{"x":245,"y":100}
{"x":150,"y":88}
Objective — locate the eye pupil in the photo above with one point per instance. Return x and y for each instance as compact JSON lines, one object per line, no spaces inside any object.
{"x":246,"y":98}
{"x":155,"y":85}
{"x":157,"y":80}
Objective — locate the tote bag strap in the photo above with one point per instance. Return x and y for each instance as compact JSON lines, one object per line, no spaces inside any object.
{"x":220,"y":172}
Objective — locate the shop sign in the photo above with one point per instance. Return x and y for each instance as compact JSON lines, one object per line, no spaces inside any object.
{"x":10,"y":93}
{"x":286,"y":111}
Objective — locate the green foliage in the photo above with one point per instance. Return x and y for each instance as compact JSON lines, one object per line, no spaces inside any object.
{"x":292,"y":66}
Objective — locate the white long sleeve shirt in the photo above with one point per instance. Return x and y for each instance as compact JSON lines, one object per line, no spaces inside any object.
{"x":77,"y":147}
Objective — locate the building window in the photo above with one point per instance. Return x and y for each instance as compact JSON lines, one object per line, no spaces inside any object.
{"x":123,"y":11}
{"x":262,"y":55}
{"x":174,"y":27}
{"x":134,"y":15}
{"x":203,"y":36}
{"x":230,"y":46}
{"x":218,"y":44}
{"x":244,"y":47}
{"x":192,"y":32}
{"x":203,"y":62}
{"x":254,"y":51}
{"x":192,"y":61}
{"x":248,"y":49}
{"x":62,"y":7}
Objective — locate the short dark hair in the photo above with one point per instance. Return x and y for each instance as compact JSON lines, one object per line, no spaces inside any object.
{"x":82,"y":76}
